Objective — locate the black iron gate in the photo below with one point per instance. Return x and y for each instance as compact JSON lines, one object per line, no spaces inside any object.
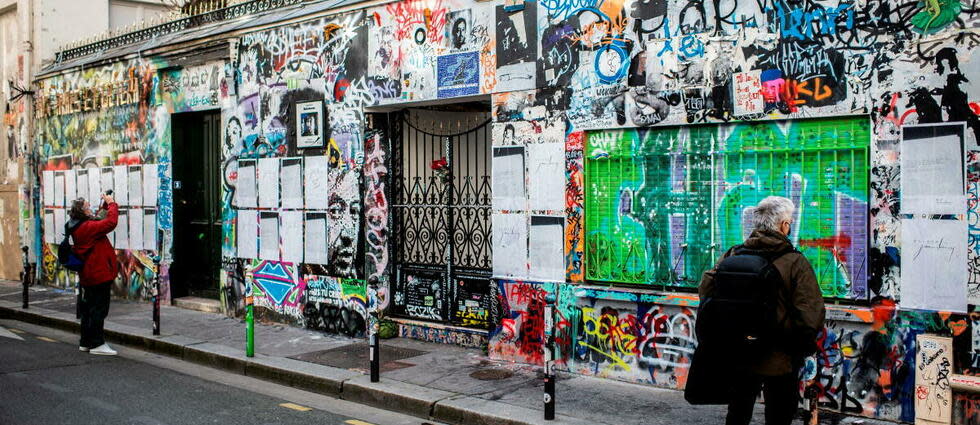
{"x":441,"y":220}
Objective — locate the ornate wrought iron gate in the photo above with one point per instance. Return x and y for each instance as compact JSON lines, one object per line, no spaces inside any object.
{"x":441,"y":220}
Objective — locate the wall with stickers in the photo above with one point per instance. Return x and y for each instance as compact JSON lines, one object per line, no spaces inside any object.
{"x":664,"y":121}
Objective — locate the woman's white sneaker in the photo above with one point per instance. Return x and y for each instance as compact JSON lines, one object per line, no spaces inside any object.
{"x":83,"y":349}
{"x":103,"y":350}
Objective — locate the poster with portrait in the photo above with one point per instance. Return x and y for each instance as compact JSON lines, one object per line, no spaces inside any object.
{"x":309,"y":124}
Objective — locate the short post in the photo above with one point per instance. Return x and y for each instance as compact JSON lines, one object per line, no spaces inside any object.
{"x":249,"y":331}
{"x":549,"y":358}
{"x":156,"y":298}
{"x":374,"y":347}
{"x":249,"y":318}
{"x":26,"y":276}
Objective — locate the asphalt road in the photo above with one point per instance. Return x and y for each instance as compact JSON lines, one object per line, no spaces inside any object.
{"x":44,"y":379}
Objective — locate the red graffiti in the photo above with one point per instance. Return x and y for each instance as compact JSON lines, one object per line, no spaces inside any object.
{"x":837,"y":245}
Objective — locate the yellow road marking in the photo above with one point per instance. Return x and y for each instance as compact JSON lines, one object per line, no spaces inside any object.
{"x":357,"y":422}
{"x":295,"y":407}
{"x":16,"y":331}
{"x":46,"y":339}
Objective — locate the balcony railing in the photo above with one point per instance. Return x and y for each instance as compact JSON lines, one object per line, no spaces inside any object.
{"x":148,"y":30}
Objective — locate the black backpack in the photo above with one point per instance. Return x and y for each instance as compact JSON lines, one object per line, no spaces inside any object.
{"x":741,"y":313}
{"x":66,"y":256}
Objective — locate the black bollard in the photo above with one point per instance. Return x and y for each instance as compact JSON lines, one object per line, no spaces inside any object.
{"x":549,"y":358}
{"x":26,"y":276}
{"x":374,"y":347}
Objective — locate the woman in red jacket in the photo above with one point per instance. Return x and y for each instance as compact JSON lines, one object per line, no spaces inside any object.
{"x":88,"y":234}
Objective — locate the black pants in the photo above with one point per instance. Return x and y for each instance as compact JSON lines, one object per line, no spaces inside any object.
{"x":95,"y":308}
{"x":781,"y":395}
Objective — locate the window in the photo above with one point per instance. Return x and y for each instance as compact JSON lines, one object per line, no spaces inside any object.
{"x":662,"y":204}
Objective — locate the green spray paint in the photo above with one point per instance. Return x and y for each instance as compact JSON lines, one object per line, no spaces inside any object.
{"x":662,"y":204}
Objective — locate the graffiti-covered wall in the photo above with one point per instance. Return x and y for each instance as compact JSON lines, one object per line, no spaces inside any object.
{"x":103,"y":129}
{"x":630,"y":142}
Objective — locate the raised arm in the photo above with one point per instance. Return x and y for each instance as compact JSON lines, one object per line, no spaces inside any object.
{"x":107,"y":224}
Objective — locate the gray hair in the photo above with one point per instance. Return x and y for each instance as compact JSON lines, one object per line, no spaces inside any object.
{"x":771,"y":212}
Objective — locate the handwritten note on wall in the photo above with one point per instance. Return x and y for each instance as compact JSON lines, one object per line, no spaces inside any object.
{"x":933,"y":367}
{"x":934,"y":268}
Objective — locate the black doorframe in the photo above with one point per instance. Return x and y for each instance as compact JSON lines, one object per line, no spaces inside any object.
{"x":195,"y":140}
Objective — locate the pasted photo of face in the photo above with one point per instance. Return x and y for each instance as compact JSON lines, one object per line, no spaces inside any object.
{"x":233,"y":133}
{"x":343,"y":218}
{"x":459,"y":29}
{"x":309,"y":124}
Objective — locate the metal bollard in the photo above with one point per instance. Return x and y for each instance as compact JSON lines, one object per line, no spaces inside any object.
{"x":374,"y":347}
{"x":26,"y":277}
{"x":549,"y":358}
{"x":156,"y":298}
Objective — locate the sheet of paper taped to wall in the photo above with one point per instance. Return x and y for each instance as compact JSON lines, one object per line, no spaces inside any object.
{"x":248,"y":233}
{"x":510,"y":245}
{"x":268,"y":235}
{"x":934,"y":268}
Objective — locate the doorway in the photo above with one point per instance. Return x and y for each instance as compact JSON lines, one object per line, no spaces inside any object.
{"x":441,"y":215}
{"x":197,"y":205}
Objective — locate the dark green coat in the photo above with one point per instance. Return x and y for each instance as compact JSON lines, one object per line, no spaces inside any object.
{"x":802,"y":292}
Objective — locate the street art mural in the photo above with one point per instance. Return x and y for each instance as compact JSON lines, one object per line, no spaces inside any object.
{"x":665,"y":121}
{"x":663,"y":204}
{"x":97,"y":120}
{"x":335,"y":305}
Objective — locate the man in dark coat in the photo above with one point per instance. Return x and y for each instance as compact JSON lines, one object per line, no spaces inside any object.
{"x":90,"y":243}
{"x":800,"y":312}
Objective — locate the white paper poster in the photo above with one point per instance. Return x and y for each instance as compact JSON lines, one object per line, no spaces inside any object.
{"x":245,"y":185}
{"x":108,"y":183}
{"x":315,"y":182}
{"x":291,"y":233}
{"x":315,"y":240}
{"x":508,"y":179}
{"x":268,"y":235}
{"x":150,"y":230}
{"x":932,"y":173}
{"x":136,"y":229}
{"x":82,"y":178}
{"x":59,"y":188}
{"x":268,"y":183}
{"x":50,"y":234}
{"x":71,"y":192}
{"x":291,"y":181}
{"x":122,"y":230}
{"x":248,"y":233}
{"x":934,"y":268}
{"x":546,"y":249}
{"x":59,"y":225}
{"x":135,"y":174}
{"x":309,"y":123}
{"x":94,"y":187}
{"x":47,"y":187}
{"x":120,"y":185}
{"x":510,"y":245}
{"x":546,"y":176}
{"x":151,"y":184}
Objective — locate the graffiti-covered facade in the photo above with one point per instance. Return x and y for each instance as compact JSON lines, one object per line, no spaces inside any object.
{"x":625,"y":144}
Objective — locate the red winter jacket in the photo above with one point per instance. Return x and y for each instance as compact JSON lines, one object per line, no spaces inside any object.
{"x":91,"y":244}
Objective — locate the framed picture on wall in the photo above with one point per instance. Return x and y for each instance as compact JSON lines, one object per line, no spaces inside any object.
{"x":309,"y":124}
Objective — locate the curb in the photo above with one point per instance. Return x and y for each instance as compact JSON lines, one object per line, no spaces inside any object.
{"x":402,"y":397}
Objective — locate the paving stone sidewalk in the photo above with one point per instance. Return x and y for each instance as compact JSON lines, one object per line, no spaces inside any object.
{"x":438,"y":381}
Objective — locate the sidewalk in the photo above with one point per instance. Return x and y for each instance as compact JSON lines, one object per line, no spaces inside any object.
{"x":442,"y":382}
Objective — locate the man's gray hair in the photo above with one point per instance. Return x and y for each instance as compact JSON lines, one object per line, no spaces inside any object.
{"x":771,"y":212}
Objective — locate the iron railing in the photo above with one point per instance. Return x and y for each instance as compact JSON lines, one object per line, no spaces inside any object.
{"x":217,"y":15}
